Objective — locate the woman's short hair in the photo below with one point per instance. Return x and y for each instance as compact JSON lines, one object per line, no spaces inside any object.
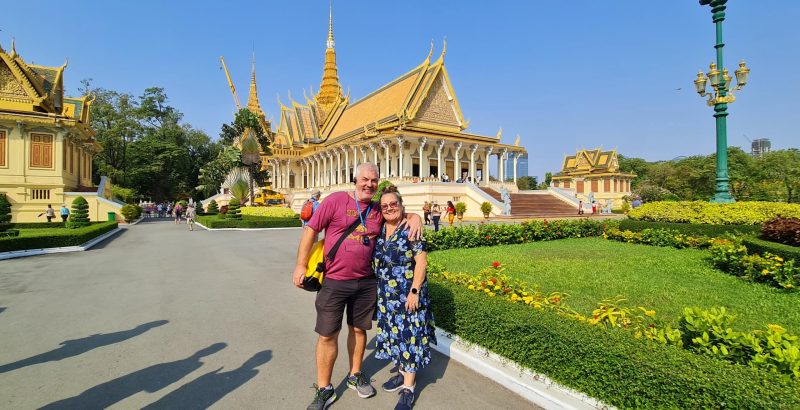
{"x":391,"y":189}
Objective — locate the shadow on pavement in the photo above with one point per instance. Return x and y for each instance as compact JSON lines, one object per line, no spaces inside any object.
{"x":150,"y":379}
{"x":76,"y":347}
{"x":2,"y":309}
{"x":204,"y":391}
{"x":105,"y":242}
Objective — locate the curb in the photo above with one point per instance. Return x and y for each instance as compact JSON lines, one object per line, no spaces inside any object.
{"x":64,"y":249}
{"x":535,"y":387}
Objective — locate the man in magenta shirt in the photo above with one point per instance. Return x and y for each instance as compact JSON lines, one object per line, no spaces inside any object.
{"x":349,"y":285}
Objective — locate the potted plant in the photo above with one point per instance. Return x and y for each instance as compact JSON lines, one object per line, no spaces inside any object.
{"x":460,"y":209}
{"x":486,"y":208}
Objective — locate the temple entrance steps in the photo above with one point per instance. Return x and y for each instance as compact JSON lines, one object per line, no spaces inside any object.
{"x":536,"y":204}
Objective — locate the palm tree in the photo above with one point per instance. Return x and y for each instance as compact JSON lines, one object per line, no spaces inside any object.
{"x":251,"y":156}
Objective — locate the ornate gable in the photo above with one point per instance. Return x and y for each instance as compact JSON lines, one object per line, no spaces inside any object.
{"x":10,"y":87}
{"x":438,"y":106}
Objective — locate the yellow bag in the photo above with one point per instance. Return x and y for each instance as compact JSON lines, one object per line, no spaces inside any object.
{"x":315,"y":270}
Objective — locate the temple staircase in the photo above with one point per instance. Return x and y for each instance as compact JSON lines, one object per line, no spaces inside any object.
{"x":536,"y":204}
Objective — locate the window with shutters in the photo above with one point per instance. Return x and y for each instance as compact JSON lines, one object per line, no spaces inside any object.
{"x":41,"y":151}
{"x":3,"y":149}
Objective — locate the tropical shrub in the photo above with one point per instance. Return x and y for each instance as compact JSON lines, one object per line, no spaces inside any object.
{"x":472,"y":236}
{"x":268,"y":211}
{"x":247,"y":221}
{"x":486,"y":208}
{"x":461,"y":208}
{"x":5,"y":213}
{"x":233,"y":209}
{"x":701,"y":212}
{"x":658,"y":237}
{"x":782,"y":230}
{"x":731,"y":256}
{"x":129,"y":212}
{"x":760,"y":246}
{"x":79,"y":216}
{"x":213,"y":208}
{"x":381,"y":187}
{"x":123,"y":194}
{"x":690,"y":228}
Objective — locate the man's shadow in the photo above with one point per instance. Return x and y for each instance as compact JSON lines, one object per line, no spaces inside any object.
{"x":76,"y":347}
{"x":204,"y":391}
{"x":150,"y":379}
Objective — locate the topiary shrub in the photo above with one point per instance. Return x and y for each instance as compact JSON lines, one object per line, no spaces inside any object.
{"x":782,"y":230}
{"x":129,"y":212}
{"x":461,"y":208}
{"x":233,"y":209}
{"x":213,"y":208}
{"x":79,"y":216}
{"x":5,"y":213}
{"x":486,"y":208}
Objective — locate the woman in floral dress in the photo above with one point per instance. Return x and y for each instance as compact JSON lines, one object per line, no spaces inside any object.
{"x":405,"y":322}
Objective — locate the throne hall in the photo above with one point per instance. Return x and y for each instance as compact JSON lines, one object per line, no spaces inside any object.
{"x":412,"y":128}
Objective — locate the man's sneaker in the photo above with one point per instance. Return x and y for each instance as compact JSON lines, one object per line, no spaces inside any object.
{"x":406,"y":401}
{"x":361,"y":385}
{"x":323,"y":398}
{"x":394,"y":383}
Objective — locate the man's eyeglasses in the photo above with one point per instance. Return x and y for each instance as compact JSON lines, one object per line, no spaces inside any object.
{"x":389,"y":205}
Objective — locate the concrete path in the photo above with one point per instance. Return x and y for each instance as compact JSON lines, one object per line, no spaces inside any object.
{"x":160,"y":317}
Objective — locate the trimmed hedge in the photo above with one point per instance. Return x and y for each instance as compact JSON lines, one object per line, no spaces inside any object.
{"x":759,"y":246}
{"x":56,"y":237}
{"x":611,"y":366}
{"x":689,"y":228}
{"x":473,"y":236}
{"x":268,"y":211}
{"x":215,"y":222}
{"x":36,"y":225}
{"x":701,"y":212}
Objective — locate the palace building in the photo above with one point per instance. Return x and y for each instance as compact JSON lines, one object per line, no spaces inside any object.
{"x":594,"y":172}
{"x":46,"y":143}
{"x":412,"y":128}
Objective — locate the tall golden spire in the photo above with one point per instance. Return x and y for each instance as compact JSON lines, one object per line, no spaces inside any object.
{"x":330,"y":91}
{"x":252,"y":100}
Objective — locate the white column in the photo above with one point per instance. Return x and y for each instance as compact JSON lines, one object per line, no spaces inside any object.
{"x":374,"y":149}
{"x":457,"y":163}
{"x":346,"y":175}
{"x":273,"y":177}
{"x":355,"y":160}
{"x":318,"y":171}
{"x":516,"y":154}
{"x":472,"y":171}
{"x":363,"y":155}
{"x":422,"y":158}
{"x":385,"y":145}
{"x":501,"y":164}
{"x":338,"y":166}
{"x":330,"y":169}
{"x":485,"y":169}
{"x":288,"y":181}
{"x":306,"y":173}
{"x":400,"y":167}
{"x":439,"y":168}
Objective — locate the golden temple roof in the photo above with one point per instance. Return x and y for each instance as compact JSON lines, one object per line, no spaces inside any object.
{"x":590,"y":161}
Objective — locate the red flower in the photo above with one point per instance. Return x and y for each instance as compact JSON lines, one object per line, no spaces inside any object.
{"x":487,"y":236}
{"x":495,"y":264}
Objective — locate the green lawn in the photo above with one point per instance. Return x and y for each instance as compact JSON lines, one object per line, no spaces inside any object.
{"x":665,"y":279}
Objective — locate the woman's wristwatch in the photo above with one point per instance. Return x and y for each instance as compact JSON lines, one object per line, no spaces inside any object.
{"x":414,"y":291}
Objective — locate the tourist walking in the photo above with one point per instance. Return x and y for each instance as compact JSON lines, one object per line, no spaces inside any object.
{"x":49,"y":213}
{"x":310,"y":207}
{"x":426,"y":212}
{"x":405,"y":322}
{"x":580,"y":207}
{"x":349,"y":285}
{"x":178,"y":212}
{"x":64,"y":213}
{"x":436,"y":215}
{"x":190,"y":217}
{"x":451,"y":212}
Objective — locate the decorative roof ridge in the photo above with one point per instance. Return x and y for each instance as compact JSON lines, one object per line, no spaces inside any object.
{"x":387,"y":85}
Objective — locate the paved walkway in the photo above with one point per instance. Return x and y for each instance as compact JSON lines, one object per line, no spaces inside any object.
{"x":161,"y":317}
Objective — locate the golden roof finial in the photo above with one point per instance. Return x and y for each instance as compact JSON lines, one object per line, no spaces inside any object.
{"x":444,"y":49}
{"x":252,"y":100}
{"x":66,"y":63}
{"x":516,"y":143}
{"x":430,"y":53}
{"x":13,"y":48}
{"x":499,"y":133}
{"x":330,"y":42}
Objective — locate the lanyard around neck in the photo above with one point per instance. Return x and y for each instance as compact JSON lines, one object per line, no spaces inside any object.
{"x":365,"y":215}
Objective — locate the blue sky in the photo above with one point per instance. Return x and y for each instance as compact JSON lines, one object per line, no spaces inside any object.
{"x":563,"y":75}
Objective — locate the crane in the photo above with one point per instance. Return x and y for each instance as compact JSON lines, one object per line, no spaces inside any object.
{"x":230,"y":83}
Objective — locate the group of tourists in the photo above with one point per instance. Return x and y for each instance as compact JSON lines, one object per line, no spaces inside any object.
{"x":380,"y":272}
{"x":432,"y":213}
{"x":50,"y":213}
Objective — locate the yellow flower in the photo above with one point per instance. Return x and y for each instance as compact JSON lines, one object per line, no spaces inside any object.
{"x":650,"y":313}
{"x":413,"y":340}
{"x":471,"y":287}
{"x":409,"y":274}
{"x":514,"y":297}
{"x":424,"y":340}
{"x":406,"y":355}
{"x":496,"y":287}
{"x":776,"y":328}
{"x":395,"y":330}
{"x":392,"y":283}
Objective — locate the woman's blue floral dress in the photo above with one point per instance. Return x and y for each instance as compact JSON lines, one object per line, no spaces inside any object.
{"x":404,"y":337}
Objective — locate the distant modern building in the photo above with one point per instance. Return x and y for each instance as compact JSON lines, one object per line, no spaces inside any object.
{"x":760,"y":147}
{"x":522,"y":167}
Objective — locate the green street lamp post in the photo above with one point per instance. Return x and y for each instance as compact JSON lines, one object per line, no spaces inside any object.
{"x":719,"y":98}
